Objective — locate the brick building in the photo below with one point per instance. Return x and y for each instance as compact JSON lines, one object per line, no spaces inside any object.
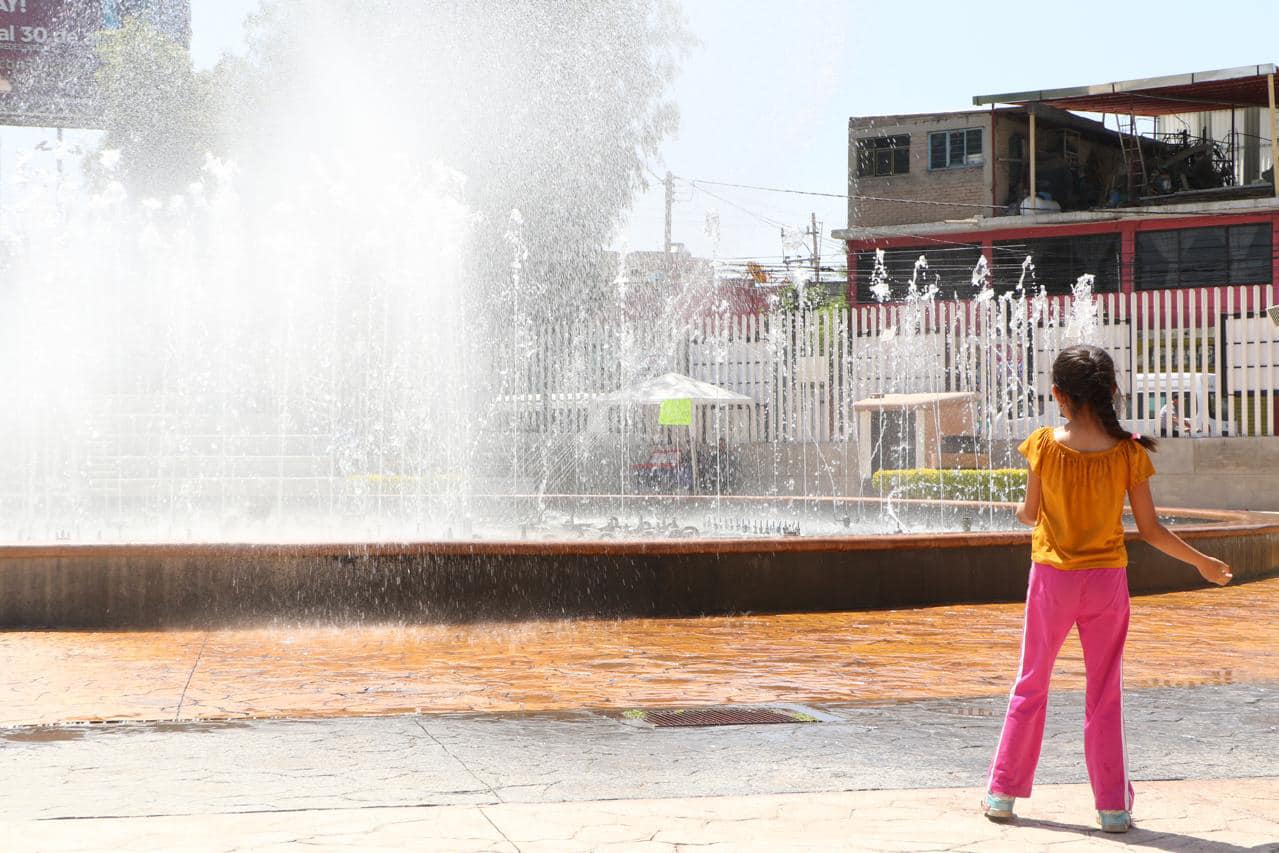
{"x":931,"y":167}
{"x":1188,"y":200}
{"x":888,"y":159}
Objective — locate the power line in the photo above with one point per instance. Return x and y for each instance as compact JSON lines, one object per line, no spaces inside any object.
{"x":697,"y":184}
{"x":846,"y":196}
{"x":943,"y":245}
{"x":700,"y":185}
{"x":959,"y":244}
{"x":773,"y":223}
{"x":1125,"y":211}
{"x":766,"y":189}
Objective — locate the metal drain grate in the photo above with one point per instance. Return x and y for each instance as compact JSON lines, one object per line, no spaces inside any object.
{"x":724,"y":717}
{"x":973,"y":711}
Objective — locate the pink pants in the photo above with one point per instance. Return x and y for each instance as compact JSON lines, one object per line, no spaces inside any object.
{"x":1097,"y":601}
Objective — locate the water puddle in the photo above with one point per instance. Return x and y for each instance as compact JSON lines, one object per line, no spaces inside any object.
{"x":1184,"y":639}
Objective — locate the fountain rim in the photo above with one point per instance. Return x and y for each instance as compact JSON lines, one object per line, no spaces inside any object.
{"x":1219,"y":521}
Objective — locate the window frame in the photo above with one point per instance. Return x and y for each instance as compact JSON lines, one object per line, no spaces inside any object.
{"x":1183,"y":270}
{"x":1059,"y":261}
{"x":947,"y":154}
{"x":870,"y":147}
{"x":953,"y":263}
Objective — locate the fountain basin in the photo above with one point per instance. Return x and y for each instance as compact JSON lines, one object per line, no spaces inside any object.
{"x":152,"y":585}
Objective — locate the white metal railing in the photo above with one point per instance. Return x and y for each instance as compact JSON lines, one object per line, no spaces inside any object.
{"x":1213,"y":349}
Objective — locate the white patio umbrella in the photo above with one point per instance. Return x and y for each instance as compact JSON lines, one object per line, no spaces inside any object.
{"x":677,"y":386}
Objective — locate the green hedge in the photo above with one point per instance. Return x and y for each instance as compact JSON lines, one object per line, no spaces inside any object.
{"x":1001,"y":484}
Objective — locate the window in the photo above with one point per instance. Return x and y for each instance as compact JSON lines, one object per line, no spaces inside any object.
{"x":1249,"y":253}
{"x":955,"y":149}
{"x":879,"y":156}
{"x":1156,"y":260}
{"x":1059,"y":262}
{"x":949,"y":267}
{"x":1204,"y":257}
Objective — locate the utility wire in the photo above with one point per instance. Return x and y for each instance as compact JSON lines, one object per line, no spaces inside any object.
{"x":943,"y":245}
{"x":764,"y":219}
{"x":699,"y":185}
{"x":1125,"y":211}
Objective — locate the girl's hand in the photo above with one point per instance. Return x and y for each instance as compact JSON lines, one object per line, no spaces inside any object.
{"x":1214,"y":571}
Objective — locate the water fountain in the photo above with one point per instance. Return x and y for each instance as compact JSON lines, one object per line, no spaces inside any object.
{"x":281,"y":399}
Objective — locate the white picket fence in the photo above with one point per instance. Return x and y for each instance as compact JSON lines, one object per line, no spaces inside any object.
{"x":1213,"y":348}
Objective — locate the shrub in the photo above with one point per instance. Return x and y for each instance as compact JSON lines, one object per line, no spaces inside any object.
{"x":1000,"y":484}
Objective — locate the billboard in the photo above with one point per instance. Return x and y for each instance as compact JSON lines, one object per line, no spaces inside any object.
{"x":47,"y":59}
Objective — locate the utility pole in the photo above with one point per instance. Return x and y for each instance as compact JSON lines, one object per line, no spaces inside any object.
{"x":669,"y":184}
{"x":817,"y":250}
{"x":1274,"y":135}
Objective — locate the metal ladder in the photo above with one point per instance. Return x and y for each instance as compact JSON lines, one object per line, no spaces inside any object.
{"x":1134,"y":160}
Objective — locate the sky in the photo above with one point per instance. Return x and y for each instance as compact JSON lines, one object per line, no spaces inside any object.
{"x":766,"y":98}
{"x":766,"y":95}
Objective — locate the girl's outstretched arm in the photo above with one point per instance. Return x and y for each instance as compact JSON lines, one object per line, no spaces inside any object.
{"x":1143,"y":510}
{"x":1028,"y":512}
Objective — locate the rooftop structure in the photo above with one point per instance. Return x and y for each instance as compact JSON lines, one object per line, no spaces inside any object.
{"x":1200,"y":91}
{"x":1166,"y":182}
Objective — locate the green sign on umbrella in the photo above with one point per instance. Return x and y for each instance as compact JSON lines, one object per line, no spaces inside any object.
{"x":675,"y":413}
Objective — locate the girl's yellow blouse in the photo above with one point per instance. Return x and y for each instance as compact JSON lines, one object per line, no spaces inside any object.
{"x":1080,"y":524}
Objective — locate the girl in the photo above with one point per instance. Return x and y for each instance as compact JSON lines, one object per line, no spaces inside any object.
{"x":1075,"y":490}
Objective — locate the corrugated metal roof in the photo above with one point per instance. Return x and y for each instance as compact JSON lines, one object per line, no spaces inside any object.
{"x":1178,"y":93}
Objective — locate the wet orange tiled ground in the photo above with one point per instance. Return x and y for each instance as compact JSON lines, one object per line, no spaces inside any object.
{"x":1196,"y":637}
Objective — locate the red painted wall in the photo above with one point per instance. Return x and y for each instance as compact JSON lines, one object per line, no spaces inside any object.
{"x":1126,"y":227}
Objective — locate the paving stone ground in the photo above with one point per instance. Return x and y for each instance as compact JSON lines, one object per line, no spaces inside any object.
{"x":306,"y":737}
{"x":1213,"y":817}
{"x":1203,"y":636}
{"x":889,"y":776}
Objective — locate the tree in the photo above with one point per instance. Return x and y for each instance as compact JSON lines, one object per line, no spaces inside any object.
{"x":548,"y":107}
{"x":155,"y":108}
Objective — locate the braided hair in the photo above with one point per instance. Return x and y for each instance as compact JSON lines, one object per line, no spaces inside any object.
{"x":1086,"y":375}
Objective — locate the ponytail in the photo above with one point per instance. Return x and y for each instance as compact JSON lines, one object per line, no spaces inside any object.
{"x":1102,"y":404}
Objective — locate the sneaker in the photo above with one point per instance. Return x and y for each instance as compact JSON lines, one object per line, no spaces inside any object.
{"x":1114,"y":821}
{"x":997,"y":807}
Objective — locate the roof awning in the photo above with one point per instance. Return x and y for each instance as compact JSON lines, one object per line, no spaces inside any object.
{"x":1179,"y":93}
